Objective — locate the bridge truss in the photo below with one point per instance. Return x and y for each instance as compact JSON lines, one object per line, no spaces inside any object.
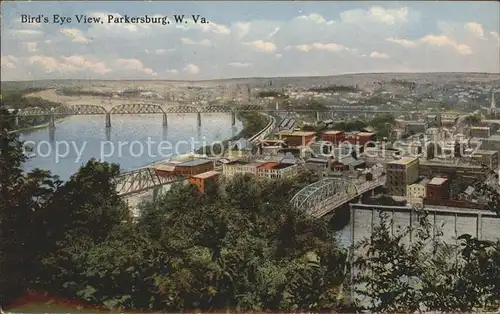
{"x":145,"y":108}
{"x":321,"y":197}
{"x":137,"y":109}
{"x":141,"y":180}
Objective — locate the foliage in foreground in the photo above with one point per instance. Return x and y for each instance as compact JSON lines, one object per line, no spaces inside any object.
{"x":246,"y":248}
{"x":394,"y":275}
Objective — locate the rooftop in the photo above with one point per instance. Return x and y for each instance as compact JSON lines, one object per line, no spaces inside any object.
{"x":484,"y":152}
{"x":480,"y":127}
{"x":333,"y":132}
{"x":206,"y":175}
{"x":268,"y":165}
{"x":424,"y":181}
{"x":365,"y":134}
{"x":295,"y":133}
{"x":438,"y":181}
{"x":403,"y":161}
{"x":165,"y":167}
{"x":194,"y":162}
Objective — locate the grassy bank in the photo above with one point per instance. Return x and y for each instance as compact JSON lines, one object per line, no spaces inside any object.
{"x":36,"y":127}
{"x":252,"y":123}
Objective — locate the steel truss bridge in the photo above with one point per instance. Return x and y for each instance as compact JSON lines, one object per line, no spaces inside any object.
{"x":145,"y":108}
{"x":324,"y":196}
{"x":141,"y":180}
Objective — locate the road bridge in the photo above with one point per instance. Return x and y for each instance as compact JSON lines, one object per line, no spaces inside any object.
{"x":324,"y":196}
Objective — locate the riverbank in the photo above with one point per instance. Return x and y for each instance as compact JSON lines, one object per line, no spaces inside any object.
{"x":27,"y":130}
{"x":253,"y":123}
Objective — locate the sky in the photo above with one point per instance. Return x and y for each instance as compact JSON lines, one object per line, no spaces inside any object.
{"x":247,"y":39}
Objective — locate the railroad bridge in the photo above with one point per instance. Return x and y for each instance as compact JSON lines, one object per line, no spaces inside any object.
{"x":132,"y":109}
{"x":149,"y":108}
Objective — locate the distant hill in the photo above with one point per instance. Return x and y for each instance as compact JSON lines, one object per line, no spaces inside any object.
{"x":277,"y":82}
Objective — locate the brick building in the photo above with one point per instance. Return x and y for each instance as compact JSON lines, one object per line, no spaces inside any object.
{"x":202,"y":179}
{"x":184,"y":168}
{"x":438,"y":189}
{"x":334,"y":137}
{"x":296,"y":138}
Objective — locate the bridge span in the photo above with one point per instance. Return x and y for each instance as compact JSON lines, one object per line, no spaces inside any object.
{"x":324,"y":196}
{"x":150,"y":108}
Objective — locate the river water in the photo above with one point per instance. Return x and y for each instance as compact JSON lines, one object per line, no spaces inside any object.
{"x":132,"y":141}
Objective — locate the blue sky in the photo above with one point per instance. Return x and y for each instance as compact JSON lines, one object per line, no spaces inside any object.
{"x":251,"y":39}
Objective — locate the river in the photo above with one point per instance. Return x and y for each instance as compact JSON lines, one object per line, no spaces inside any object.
{"x":132,"y":141}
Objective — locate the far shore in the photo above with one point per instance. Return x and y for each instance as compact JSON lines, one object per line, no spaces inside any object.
{"x":37,"y":127}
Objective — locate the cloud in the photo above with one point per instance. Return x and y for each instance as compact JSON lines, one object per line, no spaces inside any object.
{"x":435,"y":40}
{"x":402,"y":42}
{"x":239,"y":65}
{"x":189,"y":41}
{"x":316,"y":18}
{"x":475,"y":28}
{"x":134,"y":65}
{"x":75,"y":34}
{"x":8,"y":62}
{"x":82,"y":63}
{"x":330,"y":47}
{"x":379,"y":55}
{"x":375,"y":14}
{"x":262,"y":46}
{"x":496,"y":36}
{"x":444,"y":41}
{"x":158,"y":51}
{"x":192,"y":69}
{"x":321,"y":42}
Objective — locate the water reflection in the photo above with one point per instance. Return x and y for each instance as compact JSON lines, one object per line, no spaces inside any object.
{"x":86,"y":137}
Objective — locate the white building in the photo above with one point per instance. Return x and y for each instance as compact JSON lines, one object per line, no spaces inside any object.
{"x":267,"y":169}
{"x":416,"y":192}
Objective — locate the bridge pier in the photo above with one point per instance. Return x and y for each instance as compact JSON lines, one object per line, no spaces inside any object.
{"x":165,"y":119}
{"x":108,"y":120}
{"x":233,"y":118}
{"x":52,"y":135}
{"x":52,"y":121}
{"x":108,"y":134}
{"x":198,"y":115}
